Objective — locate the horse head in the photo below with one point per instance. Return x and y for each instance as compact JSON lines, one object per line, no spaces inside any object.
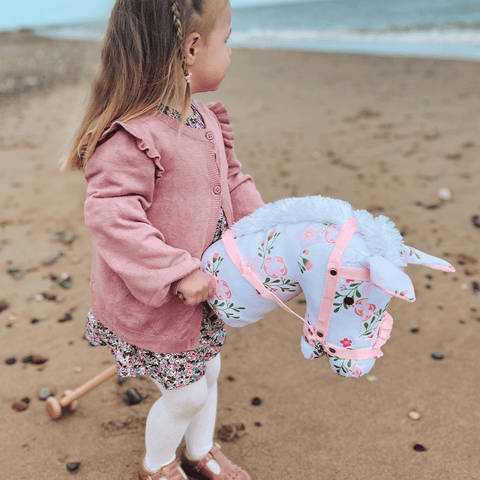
{"x":348,"y":274}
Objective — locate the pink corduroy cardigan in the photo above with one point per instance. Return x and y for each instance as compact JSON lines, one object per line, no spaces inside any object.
{"x":153,"y":202}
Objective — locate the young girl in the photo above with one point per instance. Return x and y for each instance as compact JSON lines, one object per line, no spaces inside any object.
{"x":163,"y":184}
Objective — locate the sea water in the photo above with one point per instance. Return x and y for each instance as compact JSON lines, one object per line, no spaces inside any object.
{"x":433,"y":28}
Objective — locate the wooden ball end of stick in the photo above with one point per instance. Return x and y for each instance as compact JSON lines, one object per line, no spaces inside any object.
{"x":53,"y":408}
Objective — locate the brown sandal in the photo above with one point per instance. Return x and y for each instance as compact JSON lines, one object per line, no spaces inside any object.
{"x":172,"y":471}
{"x":228,"y":470}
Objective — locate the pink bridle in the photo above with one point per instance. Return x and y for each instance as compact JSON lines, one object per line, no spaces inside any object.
{"x":335,"y":271}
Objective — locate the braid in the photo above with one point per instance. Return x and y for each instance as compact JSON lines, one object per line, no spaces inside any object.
{"x":177,"y":22}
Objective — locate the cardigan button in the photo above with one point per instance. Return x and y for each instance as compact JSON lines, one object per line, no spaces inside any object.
{"x":209,"y":136}
{"x":217,"y":190}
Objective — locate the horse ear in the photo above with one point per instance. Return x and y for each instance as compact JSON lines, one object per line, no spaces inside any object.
{"x":413,"y":256}
{"x":389,"y":278}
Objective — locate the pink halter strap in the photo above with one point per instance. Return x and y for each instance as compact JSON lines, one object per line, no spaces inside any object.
{"x":334,"y":272}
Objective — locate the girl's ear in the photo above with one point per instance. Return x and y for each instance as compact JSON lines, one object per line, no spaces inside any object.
{"x":192,"y":45}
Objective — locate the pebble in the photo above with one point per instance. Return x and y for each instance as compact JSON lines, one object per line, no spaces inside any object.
{"x":444,"y":194}
{"x":476,"y":286}
{"x":25,"y":400}
{"x":27,"y":359}
{"x":371,"y":378}
{"x":12,"y":319}
{"x":438,"y":356}
{"x":10,"y":361}
{"x":132,"y":397}
{"x":3,"y":305}
{"x":78,"y":369}
{"x":230,"y":378}
{"x":121,"y":380}
{"x":476,"y":221}
{"x":257,"y":424}
{"x":72,"y":466}
{"x":51,"y":259}
{"x":229,"y":433}
{"x":464,"y":286}
{"x":20,"y":406}
{"x":16,"y":273}
{"x":419,"y":448}
{"x":414,"y":330}
{"x":414,"y":415}
{"x":66,"y":318}
{"x":44,"y":393}
{"x":34,"y":320}
{"x":256,"y":401}
{"x":38,"y":359}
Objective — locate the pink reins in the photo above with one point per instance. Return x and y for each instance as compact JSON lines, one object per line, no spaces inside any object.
{"x":317,"y":335}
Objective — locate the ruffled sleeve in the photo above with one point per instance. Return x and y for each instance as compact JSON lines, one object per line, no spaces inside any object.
{"x":244,"y":195}
{"x":121,"y":185}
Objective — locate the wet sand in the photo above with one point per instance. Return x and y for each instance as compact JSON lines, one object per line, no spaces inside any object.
{"x":382,"y":133}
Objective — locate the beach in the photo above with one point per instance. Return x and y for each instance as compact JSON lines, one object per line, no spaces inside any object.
{"x":385,"y":134}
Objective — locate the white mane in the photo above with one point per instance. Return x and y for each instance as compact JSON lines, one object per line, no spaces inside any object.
{"x":379,"y":233}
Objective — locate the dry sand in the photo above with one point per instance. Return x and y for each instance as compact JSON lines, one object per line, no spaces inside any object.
{"x":384,"y":134}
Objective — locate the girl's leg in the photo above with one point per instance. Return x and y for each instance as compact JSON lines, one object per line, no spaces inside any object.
{"x":169,"y":419}
{"x":199,"y":434}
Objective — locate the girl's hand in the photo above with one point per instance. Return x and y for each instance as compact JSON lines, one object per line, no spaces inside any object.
{"x":197,"y":287}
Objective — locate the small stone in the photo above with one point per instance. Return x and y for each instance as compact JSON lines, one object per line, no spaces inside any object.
{"x":419,"y":448}
{"x":476,"y":221}
{"x":476,"y":286}
{"x":20,"y":406}
{"x":27,"y":359}
{"x":34,"y":320}
{"x":44,"y":393}
{"x":257,"y":424}
{"x":302,"y":301}
{"x":438,"y":356}
{"x":51,"y":259}
{"x":57,"y":237}
{"x":66,"y":283}
{"x":3,"y":305}
{"x":25,"y":400}
{"x":256,"y":401}
{"x":371,"y":378}
{"x":39,"y":297}
{"x":38,"y":359}
{"x":414,"y":415}
{"x":121,"y":380}
{"x":10,"y":361}
{"x":230,"y":378}
{"x":72,"y":466}
{"x":231,"y":432}
{"x":414,"y":330}
{"x":69,"y":240}
{"x":132,"y":397}
{"x":49,"y":296}
{"x":66,"y":318}
{"x":464,"y":286}
{"x":41,"y":367}
{"x":78,"y":369}
{"x":444,"y":194}
{"x":16,"y":273}
{"x":12,"y":319}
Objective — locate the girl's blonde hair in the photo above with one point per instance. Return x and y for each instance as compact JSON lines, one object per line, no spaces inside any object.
{"x":143,"y":65}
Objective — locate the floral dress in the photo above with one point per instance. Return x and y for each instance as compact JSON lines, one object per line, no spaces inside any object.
{"x":172,"y":370}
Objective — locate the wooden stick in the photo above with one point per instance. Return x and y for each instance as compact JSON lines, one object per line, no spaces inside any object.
{"x":69,"y":399}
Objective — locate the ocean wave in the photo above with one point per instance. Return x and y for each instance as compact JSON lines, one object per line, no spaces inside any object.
{"x":433,"y":36}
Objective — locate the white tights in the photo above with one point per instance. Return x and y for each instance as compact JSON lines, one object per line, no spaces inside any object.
{"x":188,"y":411}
